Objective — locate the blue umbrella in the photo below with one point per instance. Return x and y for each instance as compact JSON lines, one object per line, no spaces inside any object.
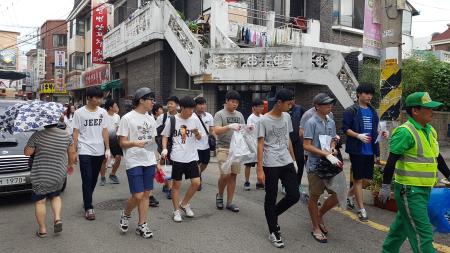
{"x":29,"y":116}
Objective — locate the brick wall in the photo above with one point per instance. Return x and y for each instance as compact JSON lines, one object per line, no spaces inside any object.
{"x":444,"y":47}
{"x":48,"y":29}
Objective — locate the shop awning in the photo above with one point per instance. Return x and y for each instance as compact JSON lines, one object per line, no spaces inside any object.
{"x":12,"y":75}
{"x":114,"y":84}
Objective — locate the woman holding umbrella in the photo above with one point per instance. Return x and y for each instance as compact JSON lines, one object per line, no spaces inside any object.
{"x":52,"y":150}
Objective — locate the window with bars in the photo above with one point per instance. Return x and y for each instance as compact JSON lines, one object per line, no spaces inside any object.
{"x":59,"y":40}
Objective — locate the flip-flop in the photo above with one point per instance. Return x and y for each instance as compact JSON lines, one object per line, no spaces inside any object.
{"x":57,"y":227}
{"x":316,"y":237}
{"x":41,"y":235}
{"x":323,"y":229}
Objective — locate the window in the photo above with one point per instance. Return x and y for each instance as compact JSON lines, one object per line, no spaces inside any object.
{"x":76,"y":61}
{"x":120,"y":14}
{"x":88,"y":60}
{"x":80,"y":27}
{"x":88,"y":23}
{"x":406,"y":22}
{"x":348,"y":13}
{"x":59,"y":40}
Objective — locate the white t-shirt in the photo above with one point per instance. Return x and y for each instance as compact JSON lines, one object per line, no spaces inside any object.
{"x":90,"y":126}
{"x":184,"y":149}
{"x":159,"y":120}
{"x":69,"y":124}
{"x":137,"y":126}
{"x":112,"y":122}
{"x":208,"y":120}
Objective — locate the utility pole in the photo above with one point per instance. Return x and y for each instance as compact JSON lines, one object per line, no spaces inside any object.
{"x":390,"y":64}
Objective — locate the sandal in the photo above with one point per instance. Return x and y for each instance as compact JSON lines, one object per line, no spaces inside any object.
{"x":219,"y":202}
{"x":41,"y":235}
{"x":57,"y":227}
{"x":320,"y":237}
{"x":323,"y":229}
{"x":232,"y":207}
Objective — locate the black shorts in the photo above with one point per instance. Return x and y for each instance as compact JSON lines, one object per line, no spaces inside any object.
{"x":362,"y":166}
{"x":36,"y":197}
{"x":116,"y":150}
{"x":250,"y":164}
{"x":204,"y":156}
{"x":190,"y":170}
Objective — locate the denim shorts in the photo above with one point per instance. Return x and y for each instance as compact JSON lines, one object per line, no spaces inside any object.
{"x":140,"y":178}
{"x":37,"y":197}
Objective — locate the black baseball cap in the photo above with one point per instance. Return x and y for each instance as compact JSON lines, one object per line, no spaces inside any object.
{"x":323,"y":99}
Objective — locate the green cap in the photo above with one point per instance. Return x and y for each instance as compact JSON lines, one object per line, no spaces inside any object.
{"x":421,"y":99}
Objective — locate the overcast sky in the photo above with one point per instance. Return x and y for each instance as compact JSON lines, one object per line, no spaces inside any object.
{"x":20,"y":15}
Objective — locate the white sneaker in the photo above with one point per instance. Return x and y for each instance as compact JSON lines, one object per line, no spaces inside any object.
{"x":362,"y":215}
{"x":187,"y":210}
{"x":275,"y":239}
{"x":177,"y":216}
{"x":144,"y":231}
{"x":124,"y":222}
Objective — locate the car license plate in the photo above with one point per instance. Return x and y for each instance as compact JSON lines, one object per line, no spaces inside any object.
{"x":12,"y":180}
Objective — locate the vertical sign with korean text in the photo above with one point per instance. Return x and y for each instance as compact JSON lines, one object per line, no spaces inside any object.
{"x":60,"y":59}
{"x":372,"y":30}
{"x":60,"y":78}
{"x":99,"y":25}
{"x":40,"y":63}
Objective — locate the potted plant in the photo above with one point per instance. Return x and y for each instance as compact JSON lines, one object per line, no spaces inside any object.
{"x":375,"y":187}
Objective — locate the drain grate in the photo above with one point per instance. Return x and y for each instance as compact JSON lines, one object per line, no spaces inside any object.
{"x":112,"y":205}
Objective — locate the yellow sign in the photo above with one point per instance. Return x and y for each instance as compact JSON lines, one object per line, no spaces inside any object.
{"x":390,"y":62}
{"x":49,"y":88}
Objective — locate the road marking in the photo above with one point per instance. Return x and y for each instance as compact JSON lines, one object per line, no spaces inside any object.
{"x":383,"y":228}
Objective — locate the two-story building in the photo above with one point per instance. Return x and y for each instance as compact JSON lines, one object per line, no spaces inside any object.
{"x":440,"y":45}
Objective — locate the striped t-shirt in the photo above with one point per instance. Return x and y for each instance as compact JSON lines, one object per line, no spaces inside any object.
{"x":49,"y":168}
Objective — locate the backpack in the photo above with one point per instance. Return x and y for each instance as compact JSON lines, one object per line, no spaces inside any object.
{"x":159,"y":137}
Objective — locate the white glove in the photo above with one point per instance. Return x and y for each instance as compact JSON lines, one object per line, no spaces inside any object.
{"x":364,"y":138}
{"x":333,"y":160}
{"x":234,"y":126}
{"x":164,"y":153}
{"x":107,"y":154}
{"x":385,"y":193}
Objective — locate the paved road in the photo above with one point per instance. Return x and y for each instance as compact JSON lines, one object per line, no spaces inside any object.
{"x":211,"y":231}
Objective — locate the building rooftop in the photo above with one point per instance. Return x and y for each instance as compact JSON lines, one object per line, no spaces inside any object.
{"x":441,"y":36}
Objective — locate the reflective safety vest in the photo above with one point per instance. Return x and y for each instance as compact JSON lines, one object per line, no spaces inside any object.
{"x":418,"y":165}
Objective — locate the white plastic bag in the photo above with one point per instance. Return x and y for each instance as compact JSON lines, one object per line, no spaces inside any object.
{"x":238,"y":149}
{"x":250,"y":139}
{"x":167,"y":168}
{"x":338,"y":184}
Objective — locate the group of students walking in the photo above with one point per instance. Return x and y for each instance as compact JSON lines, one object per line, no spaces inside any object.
{"x":289,"y":139}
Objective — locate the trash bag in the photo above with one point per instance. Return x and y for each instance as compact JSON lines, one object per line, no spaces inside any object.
{"x":238,"y":150}
{"x":338,"y":184}
{"x":439,"y":208}
{"x":250,"y":139}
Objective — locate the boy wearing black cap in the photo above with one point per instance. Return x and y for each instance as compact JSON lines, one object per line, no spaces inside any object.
{"x":137,"y":131}
{"x":276,"y":162}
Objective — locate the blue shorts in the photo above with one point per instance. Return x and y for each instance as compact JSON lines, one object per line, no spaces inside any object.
{"x":140,"y":178}
{"x":37,"y":197}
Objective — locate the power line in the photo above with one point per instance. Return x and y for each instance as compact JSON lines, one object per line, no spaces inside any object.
{"x":54,"y":28}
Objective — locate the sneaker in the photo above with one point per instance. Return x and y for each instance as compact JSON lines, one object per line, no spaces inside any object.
{"x":187,"y":210}
{"x":275,"y":239}
{"x":165,"y":189}
{"x":144,"y":231}
{"x":113,"y":179}
{"x":169,"y":194}
{"x":259,"y":186}
{"x":219,"y":202}
{"x":177,"y":216}
{"x":153,"y":202}
{"x":102,"y":181}
{"x":124,"y":222}
{"x":362,"y":215}
{"x":351,"y":203}
{"x":247,"y":186}
{"x":89,"y":214}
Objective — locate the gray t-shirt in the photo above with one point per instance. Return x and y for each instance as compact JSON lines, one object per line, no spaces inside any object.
{"x":308,"y":114}
{"x":314,"y":127}
{"x":275,"y":132}
{"x":224,"y":118}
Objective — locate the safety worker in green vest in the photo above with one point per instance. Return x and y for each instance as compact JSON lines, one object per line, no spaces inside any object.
{"x":414,"y":158}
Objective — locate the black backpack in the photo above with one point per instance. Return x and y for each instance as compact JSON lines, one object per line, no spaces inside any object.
{"x":159,"y":137}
